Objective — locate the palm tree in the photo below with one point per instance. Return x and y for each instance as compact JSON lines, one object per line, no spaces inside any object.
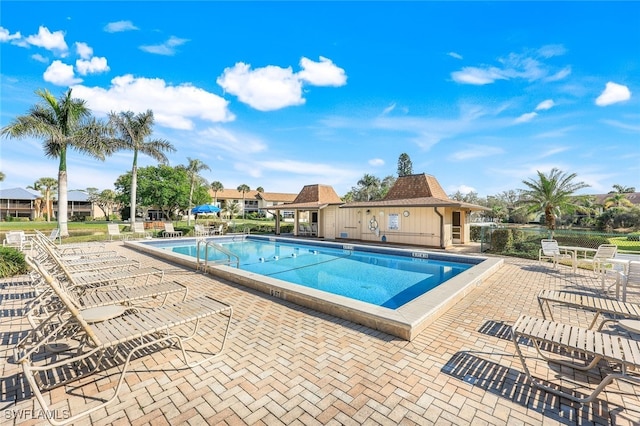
{"x":620,"y":189}
{"x":231,"y":210}
{"x":193,"y":170}
{"x":260,"y":189}
{"x":370,"y":185}
{"x":63,"y":123}
{"x":45,"y":185}
{"x":617,"y":199}
{"x":215,"y":187}
{"x":244,"y":189}
{"x":551,"y":194}
{"x":1,"y":176}
{"x":132,"y":132}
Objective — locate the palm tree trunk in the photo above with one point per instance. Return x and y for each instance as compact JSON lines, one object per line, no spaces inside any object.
{"x":48,"y":201}
{"x":62,"y":204}
{"x":190,"y":199}
{"x":134,"y":190}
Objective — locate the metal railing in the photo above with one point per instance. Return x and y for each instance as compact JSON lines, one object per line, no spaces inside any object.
{"x":217,"y":247}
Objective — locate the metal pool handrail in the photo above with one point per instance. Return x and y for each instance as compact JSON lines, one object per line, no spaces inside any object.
{"x":215,"y":246}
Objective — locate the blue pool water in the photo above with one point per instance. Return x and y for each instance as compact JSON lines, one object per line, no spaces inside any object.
{"x":381,"y":279}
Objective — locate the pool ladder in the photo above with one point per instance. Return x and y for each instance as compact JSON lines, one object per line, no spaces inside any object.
{"x":217,"y":247}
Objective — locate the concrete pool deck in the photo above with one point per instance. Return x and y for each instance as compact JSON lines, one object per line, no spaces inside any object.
{"x":405,"y":322}
{"x":290,"y":365}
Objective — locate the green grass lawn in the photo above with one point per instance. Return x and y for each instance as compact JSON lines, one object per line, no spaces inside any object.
{"x":97,"y":230}
{"x":624,"y":244}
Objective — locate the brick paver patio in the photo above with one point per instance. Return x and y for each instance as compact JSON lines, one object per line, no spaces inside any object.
{"x":293,"y":366}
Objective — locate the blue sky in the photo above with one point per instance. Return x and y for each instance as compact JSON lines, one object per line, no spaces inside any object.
{"x":281,"y":95}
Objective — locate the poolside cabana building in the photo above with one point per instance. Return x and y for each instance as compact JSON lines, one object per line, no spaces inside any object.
{"x":315,"y":209}
{"x":415,"y":211}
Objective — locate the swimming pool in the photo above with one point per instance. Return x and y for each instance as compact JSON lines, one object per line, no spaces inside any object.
{"x":388,"y":280}
{"x":418,"y":285}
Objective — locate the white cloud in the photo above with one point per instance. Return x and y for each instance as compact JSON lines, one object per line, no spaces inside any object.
{"x":477,"y":76}
{"x":83,"y":50}
{"x":465,"y":189}
{"x":376,"y":162}
{"x":525,"y":66}
{"x":235,"y":143}
{"x":48,"y":40}
{"x":93,"y":66}
{"x":476,"y":151}
{"x":545,"y":105}
{"x":272,"y":87}
{"x":38,"y":57}
{"x":5,"y":35}
{"x":167,"y":48}
{"x":560,"y":75}
{"x":552,"y":151}
{"x":388,"y":109}
{"x":303,"y":168}
{"x":60,"y":74}
{"x":613,"y":93}
{"x":265,"y":89}
{"x":173,"y":106}
{"x":455,"y":55}
{"x":323,"y":73}
{"x":119,"y":26}
{"x":557,"y":133}
{"x":552,"y":50}
{"x":624,"y":126}
{"x":526,"y":117}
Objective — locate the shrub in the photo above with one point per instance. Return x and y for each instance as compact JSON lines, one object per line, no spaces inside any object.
{"x":501,"y":240}
{"x":11,"y":262}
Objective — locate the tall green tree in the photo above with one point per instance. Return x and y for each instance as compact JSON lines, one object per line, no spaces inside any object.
{"x":133,"y":133}
{"x":161,"y":187}
{"x":244,"y":189}
{"x":194,"y":168}
{"x":405,"y":167}
{"x":216,"y":186}
{"x":552,"y":194}
{"x":64,"y":123}
{"x":1,"y":176}
{"x":45,"y":185}
{"x":105,"y":200}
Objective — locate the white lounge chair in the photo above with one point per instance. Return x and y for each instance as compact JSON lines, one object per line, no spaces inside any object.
{"x":113,"y":231}
{"x":598,"y":305}
{"x":54,"y":235}
{"x":16,"y":239}
{"x":139,"y":231}
{"x":170,"y":232}
{"x":200,"y":231}
{"x":116,"y":339}
{"x":126,"y":291}
{"x":73,"y":248}
{"x":599,"y":259}
{"x":628,"y":278}
{"x":596,"y":345}
{"x":549,"y":250}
